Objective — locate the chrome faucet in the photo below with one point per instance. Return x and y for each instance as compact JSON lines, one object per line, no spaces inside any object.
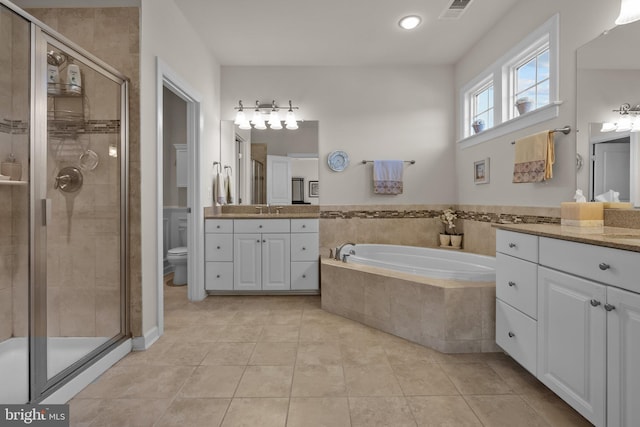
{"x":339,"y":250}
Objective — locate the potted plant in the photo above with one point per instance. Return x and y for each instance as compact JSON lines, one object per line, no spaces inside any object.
{"x":478,"y":125}
{"x":450,"y":237}
{"x":524,"y":105}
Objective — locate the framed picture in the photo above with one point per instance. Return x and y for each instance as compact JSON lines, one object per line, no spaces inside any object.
{"x":481,"y":171}
{"x":314,"y":190}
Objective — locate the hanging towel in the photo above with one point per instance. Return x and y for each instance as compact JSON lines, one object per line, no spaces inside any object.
{"x":387,"y":176}
{"x":534,"y":158}
{"x":228,"y":185}
{"x":219,"y":192}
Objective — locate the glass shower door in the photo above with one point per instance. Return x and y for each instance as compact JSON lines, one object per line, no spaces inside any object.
{"x":15,"y":44}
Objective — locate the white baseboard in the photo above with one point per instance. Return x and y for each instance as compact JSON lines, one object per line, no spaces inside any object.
{"x":86,"y":377}
{"x":144,"y":342}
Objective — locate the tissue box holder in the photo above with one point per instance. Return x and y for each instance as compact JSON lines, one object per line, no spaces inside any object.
{"x":589,"y":214}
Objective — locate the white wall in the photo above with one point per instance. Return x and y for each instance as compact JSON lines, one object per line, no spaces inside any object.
{"x":371,"y":113}
{"x":166,"y":34}
{"x":174,"y":124}
{"x":580,"y":21}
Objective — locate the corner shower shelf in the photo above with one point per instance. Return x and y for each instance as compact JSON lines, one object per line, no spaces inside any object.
{"x":6,"y":182}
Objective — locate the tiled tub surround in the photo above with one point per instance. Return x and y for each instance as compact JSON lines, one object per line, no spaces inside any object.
{"x":447,"y":315}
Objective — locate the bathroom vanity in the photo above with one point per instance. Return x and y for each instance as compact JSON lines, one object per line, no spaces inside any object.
{"x":262,"y":253}
{"x":568,"y":310}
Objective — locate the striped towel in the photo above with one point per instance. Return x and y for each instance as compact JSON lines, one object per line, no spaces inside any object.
{"x":534,"y":158}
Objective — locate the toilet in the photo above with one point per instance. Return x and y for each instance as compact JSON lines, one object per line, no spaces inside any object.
{"x":178,"y":256}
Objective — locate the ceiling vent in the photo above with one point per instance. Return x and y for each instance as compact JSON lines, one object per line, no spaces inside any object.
{"x":455,"y":9}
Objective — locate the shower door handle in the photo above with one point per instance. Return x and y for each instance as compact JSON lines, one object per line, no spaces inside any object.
{"x":46,"y":212}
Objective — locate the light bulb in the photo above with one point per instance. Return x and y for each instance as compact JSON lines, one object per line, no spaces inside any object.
{"x":240,"y":117}
{"x":292,"y":126}
{"x":629,"y":12}
{"x":410,"y":22}
{"x":608,"y":127}
{"x":245,"y":125}
{"x":257,"y":117}
{"x":275,"y":125}
{"x":259,"y":123}
{"x":624,"y":125}
{"x":274,"y":117}
{"x":291,"y":118}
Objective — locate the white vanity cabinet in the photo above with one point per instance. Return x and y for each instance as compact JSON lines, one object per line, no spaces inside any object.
{"x":262,"y":255}
{"x":587,"y":322}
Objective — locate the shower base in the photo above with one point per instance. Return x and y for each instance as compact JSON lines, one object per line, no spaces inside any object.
{"x":14,"y":362}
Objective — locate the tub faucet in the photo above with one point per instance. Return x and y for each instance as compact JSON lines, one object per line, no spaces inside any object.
{"x":339,"y":250}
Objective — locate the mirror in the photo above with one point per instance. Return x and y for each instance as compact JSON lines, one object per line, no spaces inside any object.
{"x":276,"y":167}
{"x":608,"y":76}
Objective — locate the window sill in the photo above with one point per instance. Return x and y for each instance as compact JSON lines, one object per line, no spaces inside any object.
{"x":540,"y":115}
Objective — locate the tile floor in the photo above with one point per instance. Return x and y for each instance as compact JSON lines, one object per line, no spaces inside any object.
{"x":282,"y":361}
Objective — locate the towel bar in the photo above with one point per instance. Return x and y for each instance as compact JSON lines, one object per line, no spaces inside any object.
{"x":413,"y":162}
{"x":566,"y":130}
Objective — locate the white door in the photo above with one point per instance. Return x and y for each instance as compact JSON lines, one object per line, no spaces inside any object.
{"x":276,"y":262}
{"x":278,"y":180}
{"x":611,"y":168}
{"x":572,"y":341}
{"x":623,"y":370}
{"x":247,"y":271}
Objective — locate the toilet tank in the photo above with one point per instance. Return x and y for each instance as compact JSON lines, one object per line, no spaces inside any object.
{"x":182,"y":231}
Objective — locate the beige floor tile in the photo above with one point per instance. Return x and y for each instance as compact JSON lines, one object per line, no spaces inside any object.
{"x":194,"y":412}
{"x":318,"y":333}
{"x":517,"y":378}
{"x":363,"y":353}
{"x":193,"y":332}
{"x":380,"y":411}
{"x":319,"y":412}
{"x":442,"y":411}
{"x":504,"y":411}
{"x":229,"y":353}
{"x":83,"y":411}
{"x":186,"y":353}
{"x":318,"y":381}
{"x":554,"y":410}
{"x":130,"y":412}
{"x":371,"y":380}
{"x":476,"y":378}
{"x":274,"y":353}
{"x":285,"y":317}
{"x":426,"y":379}
{"x":113,"y":383}
{"x":319,"y":353}
{"x":212,"y":381}
{"x":355,"y":332}
{"x":280,"y":333}
{"x":408,"y":353}
{"x":150,"y":356}
{"x":251,"y":317}
{"x":256,"y":412}
{"x":240,"y":333}
{"x":265,"y":381}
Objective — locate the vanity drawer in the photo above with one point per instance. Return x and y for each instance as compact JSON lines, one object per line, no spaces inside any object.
{"x":304,"y":247}
{"x":519,"y":245}
{"x":614,"y":267}
{"x":261,"y":225}
{"x":305,"y":225}
{"x":218,"y":247}
{"x":218,"y":226}
{"x":218,"y":276}
{"x":304,"y":276}
{"x":517,"y":283}
{"x":517,"y":334}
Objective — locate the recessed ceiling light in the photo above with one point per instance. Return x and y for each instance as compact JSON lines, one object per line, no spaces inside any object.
{"x":410,"y":22}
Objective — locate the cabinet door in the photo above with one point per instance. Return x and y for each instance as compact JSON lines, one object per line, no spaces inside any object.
{"x":572,"y":341}
{"x":276,"y":261}
{"x":218,"y":276}
{"x":247,"y":271}
{"x":623,"y":370}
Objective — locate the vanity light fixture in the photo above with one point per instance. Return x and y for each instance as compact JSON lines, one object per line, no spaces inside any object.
{"x":410,"y":22}
{"x":629,"y":12}
{"x":271,"y":111}
{"x":627,"y":123}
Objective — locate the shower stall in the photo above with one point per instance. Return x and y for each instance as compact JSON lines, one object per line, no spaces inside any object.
{"x":63,"y":209}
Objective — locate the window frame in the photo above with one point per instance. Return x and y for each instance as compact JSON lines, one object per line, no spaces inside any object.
{"x":484,"y":85}
{"x":500,"y":72}
{"x":532,"y":52}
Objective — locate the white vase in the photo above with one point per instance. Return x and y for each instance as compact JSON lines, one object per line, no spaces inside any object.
{"x":445,"y":240}
{"x":456,"y":240}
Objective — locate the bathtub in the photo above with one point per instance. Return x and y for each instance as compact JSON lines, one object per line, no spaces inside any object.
{"x":439,"y":298}
{"x":426,"y":262}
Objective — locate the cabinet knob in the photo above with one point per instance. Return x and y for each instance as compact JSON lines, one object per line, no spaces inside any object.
{"x":595,"y":302}
{"x":512,"y":284}
{"x":304,"y":276}
{"x":258,"y":241}
{"x":304,"y":226}
{"x":609,"y":307}
{"x":217,"y":276}
{"x":604,"y":266}
{"x":511,"y":334}
{"x":264,"y":241}
{"x":260,"y":226}
{"x":218,"y":247}
{"x":512,"y":245}
{"x":217,"y":226}
{"x":304,"y":249}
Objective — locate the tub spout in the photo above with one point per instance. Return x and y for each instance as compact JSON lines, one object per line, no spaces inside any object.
{"x":339,"y":250}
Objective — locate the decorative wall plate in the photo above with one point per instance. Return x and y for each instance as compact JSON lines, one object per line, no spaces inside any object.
{"x":338,"y":161}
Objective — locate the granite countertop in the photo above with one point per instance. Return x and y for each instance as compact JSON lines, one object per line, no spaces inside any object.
{"x":611,"y":237}
{"x":284,"y":215}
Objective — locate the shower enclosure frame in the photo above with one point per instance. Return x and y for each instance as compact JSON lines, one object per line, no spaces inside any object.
{"x":40,"y":386}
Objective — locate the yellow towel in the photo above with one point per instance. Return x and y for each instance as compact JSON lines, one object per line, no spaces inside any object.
{"x":534,"y":158}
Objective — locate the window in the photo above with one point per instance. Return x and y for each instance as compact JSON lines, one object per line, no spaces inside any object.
{"x":518,"y":90}
{"x":483,"y":108}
